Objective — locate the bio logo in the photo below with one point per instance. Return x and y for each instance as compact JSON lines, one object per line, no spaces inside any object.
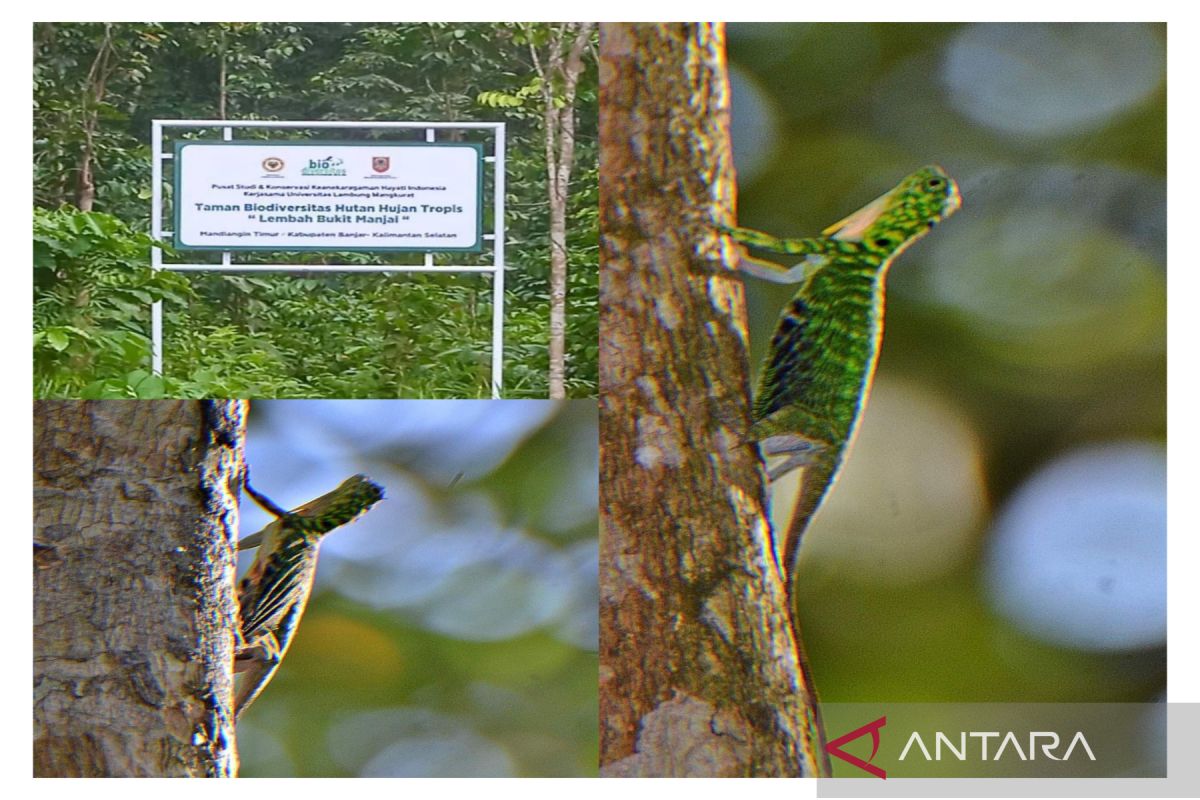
{"x":324,"y":166}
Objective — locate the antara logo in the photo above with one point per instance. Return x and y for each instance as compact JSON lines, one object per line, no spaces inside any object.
{"x":834,"y":748}
{"x":1010,"y":739}
{"x":961,"y":747}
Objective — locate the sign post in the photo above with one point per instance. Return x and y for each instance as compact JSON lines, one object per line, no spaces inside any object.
{"x":304,"y":195}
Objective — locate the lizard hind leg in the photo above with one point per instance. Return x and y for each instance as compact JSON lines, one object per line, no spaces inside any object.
{"x":787,"y":456}
{"x":254,"y":664}
{"x":797,"y":451}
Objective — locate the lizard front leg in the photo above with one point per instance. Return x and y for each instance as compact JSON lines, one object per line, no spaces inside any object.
{"x":768,"y":270}
{"x":772,"y":244}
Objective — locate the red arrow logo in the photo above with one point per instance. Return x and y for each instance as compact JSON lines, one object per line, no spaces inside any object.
{"x":834,"y":748}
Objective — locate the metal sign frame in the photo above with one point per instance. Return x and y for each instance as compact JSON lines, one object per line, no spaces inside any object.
{"x":275,"y":146}
{"x":227,"y":127}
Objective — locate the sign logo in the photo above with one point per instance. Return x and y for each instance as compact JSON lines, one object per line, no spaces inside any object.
{"x":325,"y":166}
{"x":380,"y":163}
{"x":834,"y":748}
{"x":272,"y":164}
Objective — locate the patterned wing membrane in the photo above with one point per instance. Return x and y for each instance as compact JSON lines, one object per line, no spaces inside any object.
{"x":787,"y":373}
{"x":264,"y":600}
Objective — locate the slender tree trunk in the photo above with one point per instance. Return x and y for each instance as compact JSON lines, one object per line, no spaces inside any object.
{"x":135,"y":516}
{"x":85,"y":185}
{"x":222,"y":91}
{"x":93,"y":96}
{"x":699,"y":669}
{"x":559,"y":122}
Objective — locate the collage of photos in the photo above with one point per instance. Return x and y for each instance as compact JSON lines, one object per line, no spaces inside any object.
{"x":603,"y":400}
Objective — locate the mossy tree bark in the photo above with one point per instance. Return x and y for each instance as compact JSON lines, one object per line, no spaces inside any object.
{"x":135,"y":519}
{"x":699,"y":669}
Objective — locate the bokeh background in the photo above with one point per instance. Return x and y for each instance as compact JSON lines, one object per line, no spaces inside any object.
{"x":999,"y":531}
{"x":452,"y":630}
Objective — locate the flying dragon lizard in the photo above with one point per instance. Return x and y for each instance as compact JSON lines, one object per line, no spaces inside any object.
{"x":814,"y":382}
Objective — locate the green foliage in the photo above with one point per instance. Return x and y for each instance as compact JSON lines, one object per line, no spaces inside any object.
{"x":336,"y":336}
{"x":93,"y":290}
{"x":520,"y":97}
{"x":329,"y":336}
{"x":91,"y":75}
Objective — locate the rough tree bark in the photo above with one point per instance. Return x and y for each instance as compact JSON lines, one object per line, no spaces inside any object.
{"x":699,"y":672}
{"x":560,"y":73}
{"x":135,"y":518}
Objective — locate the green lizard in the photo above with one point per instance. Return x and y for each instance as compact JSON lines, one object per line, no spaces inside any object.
{"x":817,"y":374}
{"x":275,"y":589}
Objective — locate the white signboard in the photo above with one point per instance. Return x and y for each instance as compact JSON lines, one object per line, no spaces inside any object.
{"x":328,"y":196}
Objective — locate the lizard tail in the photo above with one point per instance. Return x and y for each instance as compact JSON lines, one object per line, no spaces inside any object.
{"x":817,"y":478}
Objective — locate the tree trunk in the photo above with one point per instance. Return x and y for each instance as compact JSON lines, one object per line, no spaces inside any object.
{"x":222,"y":77}
{"x":560,"y":159}
{"x":93,"y":96}
{"x":135,"y":518}
{"x":699,"y":669}
{"x":85,"y":184}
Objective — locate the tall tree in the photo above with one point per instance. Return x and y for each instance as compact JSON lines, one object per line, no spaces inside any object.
{"x":246,"y":56}
{"x":558,"y":56}
{"x":135,"y":516}
{"x":86,"y":74}
{"x":92,"y":96}
{"x":558,"y":59}
{"x":702,"y":675}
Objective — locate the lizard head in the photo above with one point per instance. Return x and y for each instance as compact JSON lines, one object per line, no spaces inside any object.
{"x":906,"y":213}
{"x":928,"y":195}
{"x":351,"y":499}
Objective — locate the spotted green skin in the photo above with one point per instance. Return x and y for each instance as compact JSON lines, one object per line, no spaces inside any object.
{"x":817,"y":374}
{"x":814,"y":382}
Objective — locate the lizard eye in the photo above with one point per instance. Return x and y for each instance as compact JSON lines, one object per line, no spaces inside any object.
{"x":933,"y":184}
